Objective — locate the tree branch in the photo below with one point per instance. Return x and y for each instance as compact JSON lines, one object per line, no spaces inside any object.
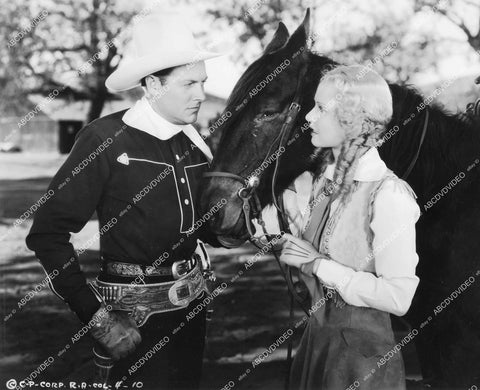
{"x":458,"y":23}
{"x":66,"y":49}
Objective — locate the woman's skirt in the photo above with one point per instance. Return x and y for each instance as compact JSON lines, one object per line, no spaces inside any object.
{"x":347,"y":347}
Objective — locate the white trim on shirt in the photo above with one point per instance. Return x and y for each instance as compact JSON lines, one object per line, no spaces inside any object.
{"x":143,"y":117}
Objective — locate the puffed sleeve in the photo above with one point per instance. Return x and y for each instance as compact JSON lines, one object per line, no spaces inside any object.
{"x":395,"y":213}
{"x":295,"y":203}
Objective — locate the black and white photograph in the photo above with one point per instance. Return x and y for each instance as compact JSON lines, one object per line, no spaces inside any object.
{"x":240,"y":194}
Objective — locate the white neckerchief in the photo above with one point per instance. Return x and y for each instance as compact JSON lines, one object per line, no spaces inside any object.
{"x":143,"y":117}
{"x":370,"y":167}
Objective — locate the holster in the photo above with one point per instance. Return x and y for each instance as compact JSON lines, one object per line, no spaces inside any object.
{"x":143,"y":300}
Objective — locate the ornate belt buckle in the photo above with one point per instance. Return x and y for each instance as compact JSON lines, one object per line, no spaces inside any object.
{"x":149,"y":270}
{"x":180,"y":293}
{"x":181,"y":268}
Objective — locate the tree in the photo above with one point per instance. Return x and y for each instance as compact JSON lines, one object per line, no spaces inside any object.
{"x":254,"y":22}
{"x":465,"y":14}
{"x":350,"y":31}
{"x":377,"y":34}
{"x":65,"y":46}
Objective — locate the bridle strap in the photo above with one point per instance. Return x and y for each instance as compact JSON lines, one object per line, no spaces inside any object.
{"x":293,"y":111}
{"x":283,"y":136}
{"x":417,"y":153}
{"x":225,"y":174}
{"x":245,"y":193}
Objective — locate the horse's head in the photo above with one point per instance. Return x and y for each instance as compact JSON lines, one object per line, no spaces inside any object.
{"x":256,"y":112}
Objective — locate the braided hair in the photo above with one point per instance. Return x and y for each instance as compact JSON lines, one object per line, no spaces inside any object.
{"x":363,"y":108}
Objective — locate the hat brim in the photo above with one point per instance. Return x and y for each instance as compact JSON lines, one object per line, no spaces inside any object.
{"x":128,"y":75}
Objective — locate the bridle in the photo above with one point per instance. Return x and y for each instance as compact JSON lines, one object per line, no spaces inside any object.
{"x":251,"y":207}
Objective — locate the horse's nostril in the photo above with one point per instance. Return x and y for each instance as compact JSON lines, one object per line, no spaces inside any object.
{"x":213,"y":214}
{"x":214,"y":218}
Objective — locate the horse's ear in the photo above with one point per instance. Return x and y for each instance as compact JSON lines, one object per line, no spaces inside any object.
{"x":306,"y":22}
{"x":299,"y":37}
{"x":279,"y":39}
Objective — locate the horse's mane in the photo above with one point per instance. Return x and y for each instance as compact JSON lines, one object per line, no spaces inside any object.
{"x":248,"y":81}
{"x":448,"y":139}
{"x":443,"y":139}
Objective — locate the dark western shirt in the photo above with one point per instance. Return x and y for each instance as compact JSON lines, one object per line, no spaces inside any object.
{"x":144,"y":191}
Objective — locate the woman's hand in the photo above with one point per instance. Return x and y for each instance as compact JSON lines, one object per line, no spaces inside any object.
{"x":297,"y":252}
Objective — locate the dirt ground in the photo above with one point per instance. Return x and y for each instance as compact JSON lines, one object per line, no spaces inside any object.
{"x":248,"y":316}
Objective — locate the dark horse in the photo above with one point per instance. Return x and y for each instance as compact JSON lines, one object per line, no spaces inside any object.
{"x":445,"y":311}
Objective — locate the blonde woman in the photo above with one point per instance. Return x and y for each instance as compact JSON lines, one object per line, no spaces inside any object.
{"x":357,"y":249}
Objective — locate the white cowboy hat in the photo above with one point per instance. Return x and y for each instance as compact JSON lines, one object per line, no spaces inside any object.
{"x":160,"y":41}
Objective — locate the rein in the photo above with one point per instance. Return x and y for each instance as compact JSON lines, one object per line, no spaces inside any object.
{"x":248,"y":194}
{"x":422,"y":138}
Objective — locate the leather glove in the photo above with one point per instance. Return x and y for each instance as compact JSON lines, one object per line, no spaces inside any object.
{"x":300,"y":254}
{"x":116,"y":332}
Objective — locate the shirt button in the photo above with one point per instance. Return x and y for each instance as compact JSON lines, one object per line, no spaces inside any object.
{"x":182,"y":180}
{"x":186,"y":201}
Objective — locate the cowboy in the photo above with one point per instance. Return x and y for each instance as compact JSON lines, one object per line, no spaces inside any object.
{"x":140,"y":170}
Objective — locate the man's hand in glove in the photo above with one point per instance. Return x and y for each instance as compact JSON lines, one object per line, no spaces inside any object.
{"x":116,"y":332}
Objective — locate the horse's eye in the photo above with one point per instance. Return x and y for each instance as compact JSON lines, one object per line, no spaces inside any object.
{"x":268,"y":115}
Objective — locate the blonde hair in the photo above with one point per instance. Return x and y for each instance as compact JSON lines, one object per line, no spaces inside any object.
{"x":363,"y":109}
